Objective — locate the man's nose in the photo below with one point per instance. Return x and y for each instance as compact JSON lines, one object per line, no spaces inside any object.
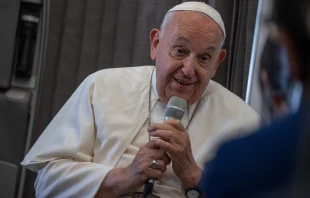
{"x":189,"y":66}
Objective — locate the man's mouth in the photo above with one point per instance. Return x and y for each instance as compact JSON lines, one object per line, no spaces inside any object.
{"x":182,"y":82}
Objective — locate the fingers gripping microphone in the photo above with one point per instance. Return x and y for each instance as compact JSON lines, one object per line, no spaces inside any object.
{"x":175,"y":109}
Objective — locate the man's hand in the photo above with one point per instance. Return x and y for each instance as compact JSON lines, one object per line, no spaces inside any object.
{"x":174,"y":139}
{"x":123,"y":180}
{"x":140,"y":170}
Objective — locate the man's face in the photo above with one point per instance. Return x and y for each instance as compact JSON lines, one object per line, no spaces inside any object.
{"x":280,"y":88}
{"x":187,"y":54}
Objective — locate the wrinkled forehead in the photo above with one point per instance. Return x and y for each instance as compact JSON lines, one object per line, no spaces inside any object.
{"x":192,"y":26}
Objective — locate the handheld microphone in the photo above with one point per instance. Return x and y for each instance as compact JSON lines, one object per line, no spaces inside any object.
{"x":175,"y":109}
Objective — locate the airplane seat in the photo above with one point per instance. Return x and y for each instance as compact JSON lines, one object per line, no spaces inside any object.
{"x":8,"y":172}
{"x":14,"y":117}
{"x":14,"y":106}
{"x":23,"y":38}
{"x":9,"y":11}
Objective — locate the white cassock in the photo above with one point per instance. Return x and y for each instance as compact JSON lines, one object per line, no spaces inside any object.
{"x":104,"y":123}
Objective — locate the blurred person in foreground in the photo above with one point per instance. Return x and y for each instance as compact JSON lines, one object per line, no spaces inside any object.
{"x":266,"y":163}
{"x":98,"y":143}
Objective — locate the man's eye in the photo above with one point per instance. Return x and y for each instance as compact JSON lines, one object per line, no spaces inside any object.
{"x":179,"y":51}
{"x":204,"y":58}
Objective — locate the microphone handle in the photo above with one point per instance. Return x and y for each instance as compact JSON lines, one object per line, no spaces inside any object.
{"x":174,"y":110}
{"x":148,"y":187}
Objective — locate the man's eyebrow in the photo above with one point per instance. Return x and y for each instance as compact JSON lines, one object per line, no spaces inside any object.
{"x":212,"y":48}
{"x":182,"y":38}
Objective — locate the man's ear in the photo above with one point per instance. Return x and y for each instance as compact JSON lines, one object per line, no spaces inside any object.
{"x":154,"y":38}
{"x":219,"y":60}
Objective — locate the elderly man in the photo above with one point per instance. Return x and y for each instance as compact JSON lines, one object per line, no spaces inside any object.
{"x":102,"y":143}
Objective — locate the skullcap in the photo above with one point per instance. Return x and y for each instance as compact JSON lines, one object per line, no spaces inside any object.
{"x":203,"y":8}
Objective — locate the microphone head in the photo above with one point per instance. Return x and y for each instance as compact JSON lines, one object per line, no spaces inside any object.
{"x":175,"y":108}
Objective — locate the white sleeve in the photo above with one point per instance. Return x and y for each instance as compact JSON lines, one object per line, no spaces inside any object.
{"x":63,"y":154}
{"x":69,"y":178}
